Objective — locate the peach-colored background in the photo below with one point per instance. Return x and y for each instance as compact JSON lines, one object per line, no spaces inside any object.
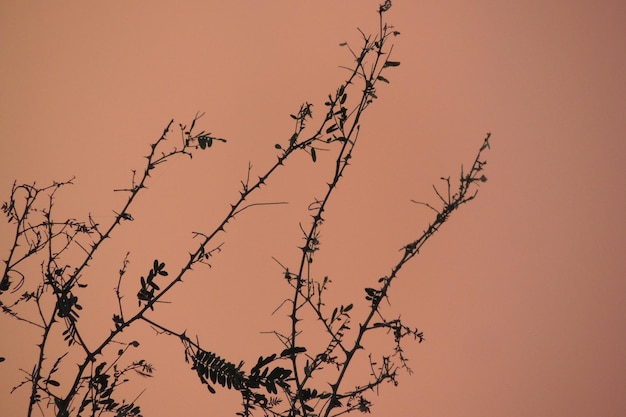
{"x":521,"y":297}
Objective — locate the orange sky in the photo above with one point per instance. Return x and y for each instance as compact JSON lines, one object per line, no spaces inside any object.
{"x":521,"y":297}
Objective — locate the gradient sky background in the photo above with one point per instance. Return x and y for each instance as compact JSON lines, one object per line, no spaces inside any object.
{"x":522,"y":297}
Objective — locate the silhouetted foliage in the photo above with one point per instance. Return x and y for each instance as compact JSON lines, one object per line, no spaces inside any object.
{"x":280,"y":383}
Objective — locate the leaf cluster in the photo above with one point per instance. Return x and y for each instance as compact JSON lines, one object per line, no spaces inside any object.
{"x":148,"y":286}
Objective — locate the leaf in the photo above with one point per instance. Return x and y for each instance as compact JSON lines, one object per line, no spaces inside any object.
{"x":5,"y":283}
{"x":53,"y":383}
{"x":100,"y":367}
{"x":391,"y":64}
{"x":271,"y":388}
{"x":84,"y":404}
{"x":292,"y":351}
{"x":383,"y":79}
{"x":313,"y":155}
{"x":332,"y":128}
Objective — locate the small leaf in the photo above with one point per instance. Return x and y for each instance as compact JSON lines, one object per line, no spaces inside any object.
{"x":391,"y":64}
{"x":332,"y":128}
{"x":292,"y":351}
{"x":53,"y":383}
{"x":383,"y":79}
{"x":100,"y":367}
{"x":271,"y":387}
{"x":5,"y":283}
{"x":313,"y":155}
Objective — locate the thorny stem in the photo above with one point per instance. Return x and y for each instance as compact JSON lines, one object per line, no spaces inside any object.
{"x":301,"y":296}
{"x":411,"y":249}
{"x":370,"y":78}
{"x":194,"y":257}
{"x":63,"y":289}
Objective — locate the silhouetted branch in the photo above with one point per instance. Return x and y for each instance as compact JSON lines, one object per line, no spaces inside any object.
{"x":279,"y":384}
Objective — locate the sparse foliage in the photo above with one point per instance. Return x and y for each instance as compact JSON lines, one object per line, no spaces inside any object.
{"x":280,"y":383}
